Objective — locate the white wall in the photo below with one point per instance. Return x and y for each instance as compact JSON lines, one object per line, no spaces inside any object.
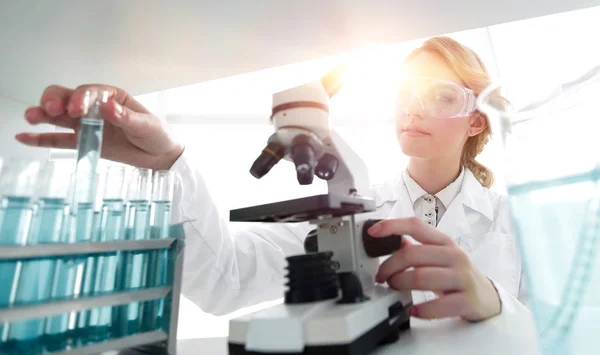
{"x":12,"y":117}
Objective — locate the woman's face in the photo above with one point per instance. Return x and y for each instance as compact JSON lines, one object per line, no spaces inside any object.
{"x":420,"y":135}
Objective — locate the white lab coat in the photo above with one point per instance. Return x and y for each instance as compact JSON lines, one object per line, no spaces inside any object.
{"x":225,"y":271}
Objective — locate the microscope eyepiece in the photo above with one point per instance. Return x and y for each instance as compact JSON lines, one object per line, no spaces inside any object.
{"x":267,"y":159}
{"x":303,"y":156}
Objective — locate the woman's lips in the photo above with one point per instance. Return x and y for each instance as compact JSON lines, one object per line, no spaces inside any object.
{"x":414,"y":131}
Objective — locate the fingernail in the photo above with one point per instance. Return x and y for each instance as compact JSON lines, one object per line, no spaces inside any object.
{"x":48,"y":106}
{"x":28,"y":113}
{"x":70,"y":107}
{"x":374,"y":229}
{"x":21,"y":137}
{"x":118,"y":110}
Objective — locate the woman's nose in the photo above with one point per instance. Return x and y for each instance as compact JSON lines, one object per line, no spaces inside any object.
{"x":414,"y":107}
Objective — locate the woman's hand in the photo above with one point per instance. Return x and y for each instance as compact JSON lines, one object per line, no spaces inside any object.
{"x":132,"y":135}
{"x":437,"y":265}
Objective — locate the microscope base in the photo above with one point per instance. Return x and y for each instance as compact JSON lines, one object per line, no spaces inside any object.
{"x":324,"y":327}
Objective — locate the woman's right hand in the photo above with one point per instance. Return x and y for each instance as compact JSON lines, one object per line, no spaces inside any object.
{"x":132,"y":135}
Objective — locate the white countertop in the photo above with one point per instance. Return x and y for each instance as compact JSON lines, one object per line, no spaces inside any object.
{"x":509,"y":334}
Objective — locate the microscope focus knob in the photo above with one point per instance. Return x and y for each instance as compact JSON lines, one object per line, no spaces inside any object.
{"x":377,"y":247}
{"x":311,"y":278}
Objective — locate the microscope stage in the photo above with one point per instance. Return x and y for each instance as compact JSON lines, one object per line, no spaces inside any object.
{"x":304,"y":209}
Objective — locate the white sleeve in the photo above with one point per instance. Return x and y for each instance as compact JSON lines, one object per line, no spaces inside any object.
{"x":225,"y":271}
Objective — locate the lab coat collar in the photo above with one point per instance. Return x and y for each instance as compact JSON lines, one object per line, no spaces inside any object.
{"x":454,"y":223}
{"x":477,"y":197}
{"x":446,"y":196}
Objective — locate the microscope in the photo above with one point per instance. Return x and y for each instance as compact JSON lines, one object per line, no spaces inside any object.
{"x":332,"y":304}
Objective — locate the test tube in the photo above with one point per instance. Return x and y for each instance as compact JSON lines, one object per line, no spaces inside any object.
{"x":17,"y":183}
{"x":89,"y":140}
{"x":37,"y":275}
{"x":156,"y":275}
{"x":131,"y":271}
{"x":162,"y":195}
{"x":112,"y":225}
{"x":70,"y":275}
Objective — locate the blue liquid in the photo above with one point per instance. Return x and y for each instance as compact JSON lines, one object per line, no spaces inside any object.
{"x":161,"y":219}
{"x":88,"y":282}
{"x":156,"y":276}
{"x":15,"y":219}
{"x":112,"y":228}
{"x":152,"y":311}
{"x":69,"y":278}
{"x":132,"y":273}
{"x":89,"y":143}
{"x":36,"y":277}
{"x":558,"y":228}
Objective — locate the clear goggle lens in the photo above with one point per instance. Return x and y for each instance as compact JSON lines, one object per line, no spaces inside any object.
{"x":435,"y":98}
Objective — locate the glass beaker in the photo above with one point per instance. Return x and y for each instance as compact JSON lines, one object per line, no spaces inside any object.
{"x":551,"y":156}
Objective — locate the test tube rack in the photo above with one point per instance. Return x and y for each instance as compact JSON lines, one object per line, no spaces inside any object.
{"x":165,"y":338}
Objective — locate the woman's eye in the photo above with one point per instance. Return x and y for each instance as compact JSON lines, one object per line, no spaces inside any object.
{"x":444,"y":98}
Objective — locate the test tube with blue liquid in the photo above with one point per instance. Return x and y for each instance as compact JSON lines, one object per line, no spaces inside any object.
{"x":17,"y":183}
{"x":132,"y":270}
{"x":83,"y":332}
{"x":160,"y":221}
{"x":111,"y":228}
{"x":70,"y":277}
{"x":37,"y":275}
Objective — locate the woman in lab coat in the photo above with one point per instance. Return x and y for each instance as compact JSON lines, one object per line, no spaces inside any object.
{"x":463,"y":261}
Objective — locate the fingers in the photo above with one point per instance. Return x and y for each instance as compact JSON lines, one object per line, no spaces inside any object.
{"x":435,"y":279}
{"x":49,"y":140}
{"x":36,"y":115}
{"x":414,"y":227}
{"x":57,"y":100}
{"x":417,"y":256}
{"x":54,"y":100}
{"x":119,"y":95}
{"x":451,"y":305}
{"x":137,"y":125}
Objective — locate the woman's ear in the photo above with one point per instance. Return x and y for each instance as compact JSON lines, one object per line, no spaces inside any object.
{"x":477,"y":125}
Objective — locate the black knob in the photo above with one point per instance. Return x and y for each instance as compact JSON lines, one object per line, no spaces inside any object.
{"x":351,"y":287}
{"x":327,"y":167}
{"x":304,"y":158}
{"x":311,"y":278}
{"x":376,"y":247}
{"x":270,"y":156}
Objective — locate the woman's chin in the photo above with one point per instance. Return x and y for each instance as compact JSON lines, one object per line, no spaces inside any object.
{"x":415,"y":149}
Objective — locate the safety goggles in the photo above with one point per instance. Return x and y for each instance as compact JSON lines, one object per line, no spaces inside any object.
{"x":436,"y":98}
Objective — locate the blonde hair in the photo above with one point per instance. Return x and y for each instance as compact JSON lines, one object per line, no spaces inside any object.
{"x":470,"y":69}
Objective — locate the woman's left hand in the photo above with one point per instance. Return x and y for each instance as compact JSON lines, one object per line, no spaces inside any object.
{"x":437,"y":265}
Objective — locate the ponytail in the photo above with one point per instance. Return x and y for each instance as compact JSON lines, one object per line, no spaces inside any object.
{"x":473,"y":147}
